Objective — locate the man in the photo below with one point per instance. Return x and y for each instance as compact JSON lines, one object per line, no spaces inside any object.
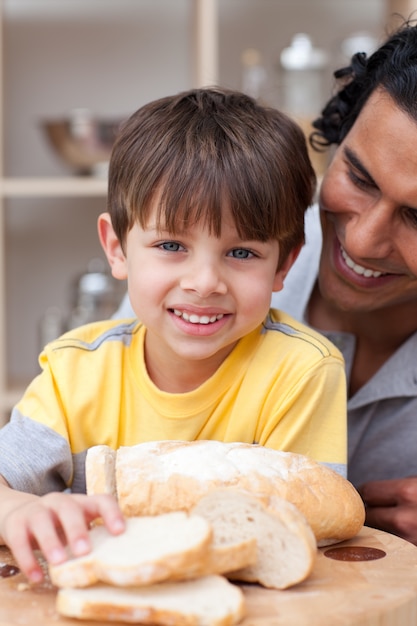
{"x":363,"y":292}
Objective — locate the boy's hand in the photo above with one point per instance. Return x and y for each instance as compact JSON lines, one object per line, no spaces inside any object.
{"x":50,"y":523}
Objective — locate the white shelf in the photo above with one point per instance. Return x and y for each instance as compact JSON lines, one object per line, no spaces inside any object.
{"x":73,"y":186}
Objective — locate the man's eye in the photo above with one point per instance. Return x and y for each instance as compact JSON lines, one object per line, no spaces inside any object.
{"x":170,"y":246}
{"x":362,"y":183}
{"x":241,"y":253}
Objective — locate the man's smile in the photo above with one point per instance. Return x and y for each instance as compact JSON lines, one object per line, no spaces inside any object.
{"x":359,"y":269}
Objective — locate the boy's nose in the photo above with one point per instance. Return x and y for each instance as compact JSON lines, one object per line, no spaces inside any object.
{"x":204,"y":279}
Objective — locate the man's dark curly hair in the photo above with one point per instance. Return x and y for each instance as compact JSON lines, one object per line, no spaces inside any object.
{"x":392,"y":67}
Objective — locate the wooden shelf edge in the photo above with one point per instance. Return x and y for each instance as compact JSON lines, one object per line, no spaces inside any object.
{"x":23,"y":187}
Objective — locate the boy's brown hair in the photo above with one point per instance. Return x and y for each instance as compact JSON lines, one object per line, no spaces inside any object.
{"x":204,"y":149}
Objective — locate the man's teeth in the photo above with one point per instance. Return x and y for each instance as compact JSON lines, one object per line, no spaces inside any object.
{"x":358,"y":269}
{"x":198,"y":319}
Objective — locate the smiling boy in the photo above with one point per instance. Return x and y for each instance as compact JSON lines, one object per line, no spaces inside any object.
{"x":207,"y":194}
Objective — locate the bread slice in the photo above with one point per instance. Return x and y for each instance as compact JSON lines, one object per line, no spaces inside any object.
{"x":207,"y":601}
{"x":286,"y":546}
{"x":151,"y":549}
{"x":227,"y":552}
{"x":161,"y":476}
{"x":100,"y":470}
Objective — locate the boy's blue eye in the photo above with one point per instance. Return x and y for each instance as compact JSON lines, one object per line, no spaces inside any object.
{"x":240,"y":253}
{"x":170,"y":246}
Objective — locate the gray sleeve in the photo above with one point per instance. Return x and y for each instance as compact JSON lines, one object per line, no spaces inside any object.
{"x":33,"y":457}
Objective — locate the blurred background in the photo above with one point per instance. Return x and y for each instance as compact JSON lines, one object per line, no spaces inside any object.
{"x":82,"y":65}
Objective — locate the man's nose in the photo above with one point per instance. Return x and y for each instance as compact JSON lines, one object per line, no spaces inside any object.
{"x":369,"y":233}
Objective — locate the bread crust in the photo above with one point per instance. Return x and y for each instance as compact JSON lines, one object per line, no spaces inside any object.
{"x":158,"y":477}
{"x":100,"y":470}
{"x":207,"y":601}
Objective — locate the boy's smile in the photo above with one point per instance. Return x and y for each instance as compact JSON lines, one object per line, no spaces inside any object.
{"x":195,"y":321}
{"x":197,"y":295}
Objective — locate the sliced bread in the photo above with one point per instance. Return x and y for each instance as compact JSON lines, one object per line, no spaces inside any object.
{"x":151,"y":549}
{"x":207,"y":601}
{"x":286,"y":546}
{"x":227,"y":552}
{"x":100,"y":470}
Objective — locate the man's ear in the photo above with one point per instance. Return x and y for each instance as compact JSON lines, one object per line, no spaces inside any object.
{"x":112,"y":247}
{"x":285,"y":268}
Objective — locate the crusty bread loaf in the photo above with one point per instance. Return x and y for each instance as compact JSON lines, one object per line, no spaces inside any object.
{"x":157,"y":477}
{"x":286,"y":544}
{"x":207,"y":601}
{"x":151,"y":549}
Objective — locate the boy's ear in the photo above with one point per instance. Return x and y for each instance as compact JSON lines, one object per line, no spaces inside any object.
{"x":285,"y":268}
{"x":112,"y":247}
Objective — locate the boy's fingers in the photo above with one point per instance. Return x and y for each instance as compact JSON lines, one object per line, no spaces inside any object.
{"x":55,"y":521}
{"x":42,"y":525}
{"x":70,"y":518}
{"x":23,"y":539}
{"x":25,"y":558}
{"x":71,"y":524}
{"x":105,"y":507}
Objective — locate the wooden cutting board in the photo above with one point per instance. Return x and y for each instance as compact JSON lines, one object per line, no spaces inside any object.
{"x":378,"y":592}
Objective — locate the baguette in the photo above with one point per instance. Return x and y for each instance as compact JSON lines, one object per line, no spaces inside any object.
{"x":151,"y":549}
{"x":286,"y":546}
{"x":162,"y":476}
{"x":207,"y":601}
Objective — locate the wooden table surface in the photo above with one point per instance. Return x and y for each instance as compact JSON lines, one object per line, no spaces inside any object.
{"x":380,"y":592}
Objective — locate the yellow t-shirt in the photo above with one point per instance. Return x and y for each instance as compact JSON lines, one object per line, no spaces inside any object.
{"x":282,"y":386}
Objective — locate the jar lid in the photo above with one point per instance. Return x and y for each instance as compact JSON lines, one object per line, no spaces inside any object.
{"x":95,"y":283}
{"x":302,"y":55}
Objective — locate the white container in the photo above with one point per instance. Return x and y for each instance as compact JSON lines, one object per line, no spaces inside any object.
{"x":303,"y":71}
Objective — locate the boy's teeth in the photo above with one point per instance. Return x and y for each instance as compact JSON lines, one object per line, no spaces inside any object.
{"x":358,"y":269}
{"x":198,"y":319}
